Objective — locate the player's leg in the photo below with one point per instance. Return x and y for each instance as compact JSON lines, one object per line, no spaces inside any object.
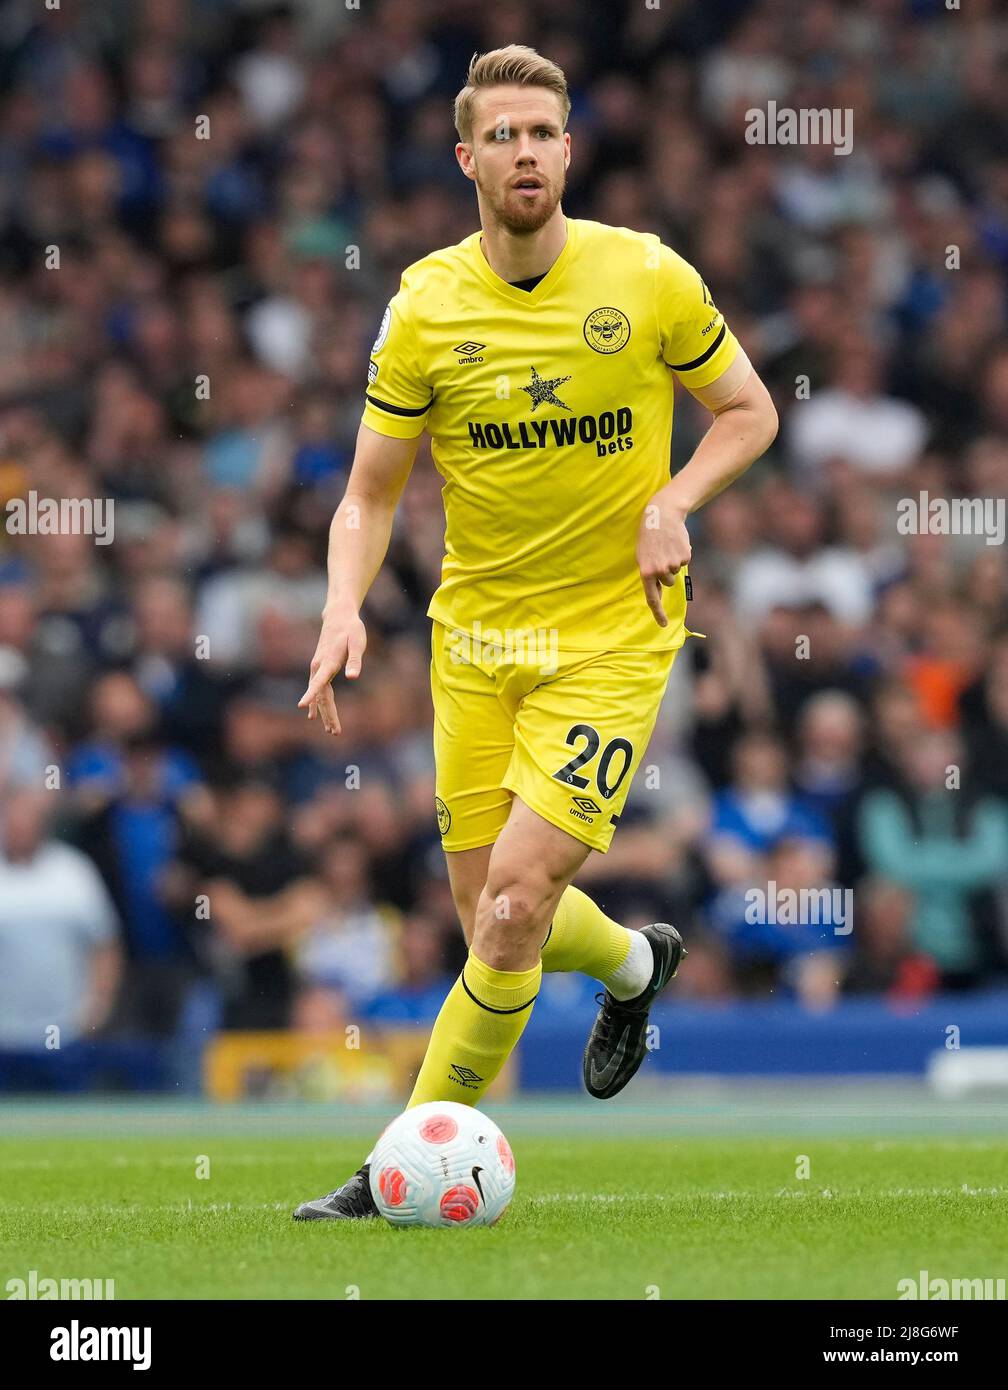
{"x":467,"y":874}
{"x":579,"y":739}
{"x":473,"y":744}
{"x":474,"y":738}
{"x":581,"y":937}
{"x":530,"y":866}
{"x":621,"y":692}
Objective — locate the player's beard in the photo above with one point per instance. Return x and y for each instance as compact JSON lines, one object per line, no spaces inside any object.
{"x":513,"y":212}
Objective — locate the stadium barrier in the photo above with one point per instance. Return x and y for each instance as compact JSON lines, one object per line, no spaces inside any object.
{"x":379,"y":1066}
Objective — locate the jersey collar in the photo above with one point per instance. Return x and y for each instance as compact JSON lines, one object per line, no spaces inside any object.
{"x":545,"y":285}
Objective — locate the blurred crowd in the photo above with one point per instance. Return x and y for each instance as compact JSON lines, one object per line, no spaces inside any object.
{"x":204,"y":207}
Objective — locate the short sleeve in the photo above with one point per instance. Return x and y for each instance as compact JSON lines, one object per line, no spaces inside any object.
{"x":397,"y":399}
{"x":695,"y":340}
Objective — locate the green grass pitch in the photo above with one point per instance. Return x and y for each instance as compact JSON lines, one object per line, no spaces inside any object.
{"x":607,"y":1206}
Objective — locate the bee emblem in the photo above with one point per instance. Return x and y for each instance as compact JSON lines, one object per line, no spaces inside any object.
{"x":607,"y":330}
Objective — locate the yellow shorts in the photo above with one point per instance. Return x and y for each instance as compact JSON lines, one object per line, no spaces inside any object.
{"x":563,"y":731}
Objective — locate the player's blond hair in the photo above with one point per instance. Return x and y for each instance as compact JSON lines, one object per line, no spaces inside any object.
{"x":516,"y":65}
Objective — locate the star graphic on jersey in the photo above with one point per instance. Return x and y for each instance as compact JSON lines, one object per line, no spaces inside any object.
{"x":542,"y":392}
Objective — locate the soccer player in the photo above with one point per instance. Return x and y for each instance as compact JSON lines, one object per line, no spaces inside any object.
{"x":539,"y":354}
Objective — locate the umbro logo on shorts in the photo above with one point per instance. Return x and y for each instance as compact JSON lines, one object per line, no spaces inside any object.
{"x":585,"y":803}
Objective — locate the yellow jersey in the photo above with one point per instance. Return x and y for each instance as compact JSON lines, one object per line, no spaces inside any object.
{"x":550,"y":416}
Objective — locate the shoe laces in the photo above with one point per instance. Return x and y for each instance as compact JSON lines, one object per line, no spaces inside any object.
{"x":607,"y":1018}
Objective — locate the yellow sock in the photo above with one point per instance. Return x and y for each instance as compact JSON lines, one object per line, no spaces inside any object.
{"x":475,"y":1032}
{"x":583,"y":938}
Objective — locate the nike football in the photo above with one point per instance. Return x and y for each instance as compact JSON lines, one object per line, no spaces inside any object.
{"x":442,"y":1164}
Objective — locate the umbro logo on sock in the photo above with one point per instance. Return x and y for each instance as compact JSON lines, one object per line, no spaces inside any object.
{"x":465,"y":1076}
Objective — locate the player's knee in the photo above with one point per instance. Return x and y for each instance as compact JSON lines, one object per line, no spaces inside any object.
{"x":513,"y":909}
{"x":519,"y":895}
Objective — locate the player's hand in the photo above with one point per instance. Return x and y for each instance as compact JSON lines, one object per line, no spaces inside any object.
{"x":341,"y":644}
{"x":663,"y":547}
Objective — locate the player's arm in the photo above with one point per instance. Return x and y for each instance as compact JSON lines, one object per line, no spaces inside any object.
{"x":359,"y":537}
{"x":704,"y":355}
{"x":744,"y":427}
{"x":395,"y":416}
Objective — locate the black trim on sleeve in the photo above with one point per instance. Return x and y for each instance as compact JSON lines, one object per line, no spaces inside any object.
{"x":397,"y":409}
{"x":699,"y":361}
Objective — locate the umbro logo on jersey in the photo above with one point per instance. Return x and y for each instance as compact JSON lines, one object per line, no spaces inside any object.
{"x":469,"y":352}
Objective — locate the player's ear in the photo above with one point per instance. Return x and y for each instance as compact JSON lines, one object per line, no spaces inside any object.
{"x":464,"y":155}
{"x":567,"y":149}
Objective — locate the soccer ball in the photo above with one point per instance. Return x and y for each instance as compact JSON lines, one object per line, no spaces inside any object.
{"x":442,"y":1164}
